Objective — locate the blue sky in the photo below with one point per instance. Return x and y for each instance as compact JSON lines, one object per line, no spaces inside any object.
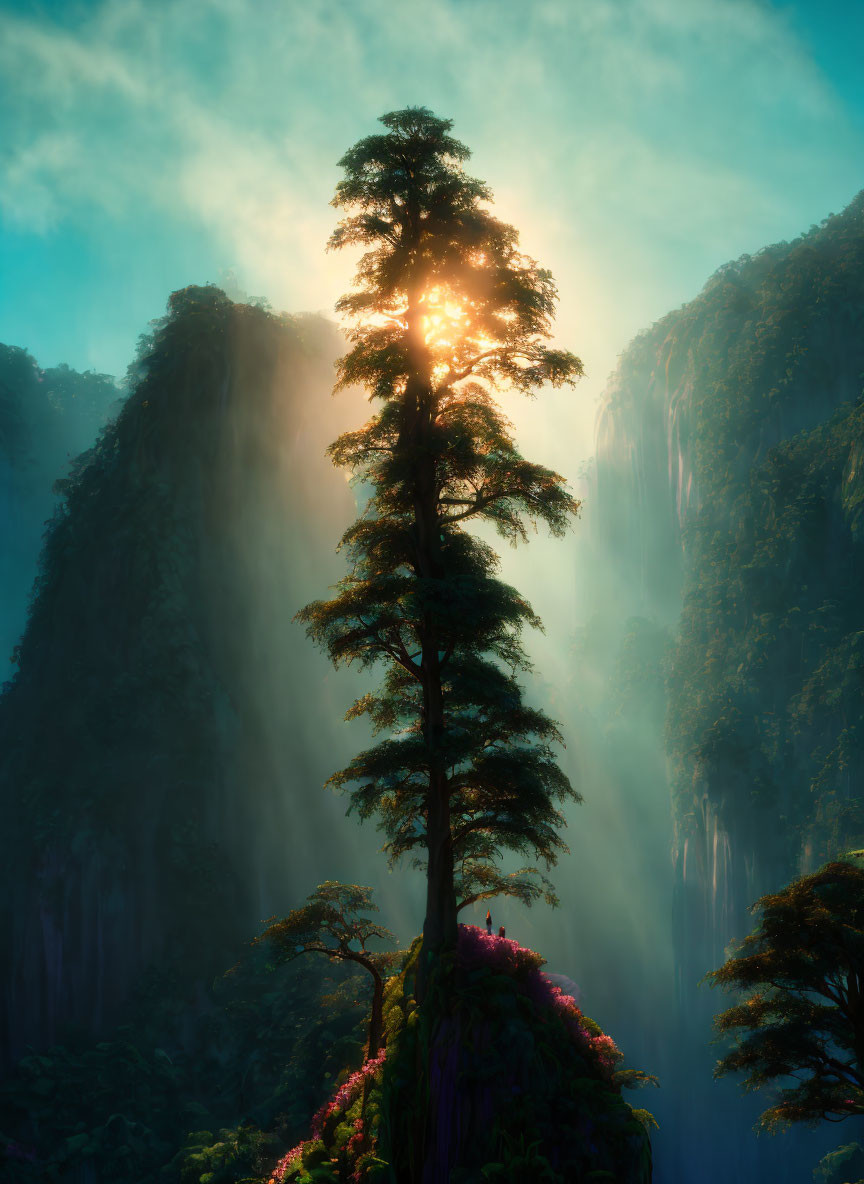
{"x":636,"y":144}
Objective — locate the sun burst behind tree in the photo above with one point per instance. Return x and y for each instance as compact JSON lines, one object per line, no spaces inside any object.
{"x":445,"y":311}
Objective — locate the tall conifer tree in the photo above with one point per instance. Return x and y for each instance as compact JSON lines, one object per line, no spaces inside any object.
{"x":445,"y":308}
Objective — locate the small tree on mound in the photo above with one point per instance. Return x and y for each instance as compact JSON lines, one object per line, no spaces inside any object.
{"x":336,"y":922}
{"x":800,"y":1026}
{"x":446,"y":309}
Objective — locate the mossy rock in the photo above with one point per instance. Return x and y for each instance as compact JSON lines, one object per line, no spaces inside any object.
{"x":519,"y":1085}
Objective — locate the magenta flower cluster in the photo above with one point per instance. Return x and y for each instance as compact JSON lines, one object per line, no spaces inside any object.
{"x":476,"y":947}
{"x":602,"y":1047}
{"x":287,"y":1163}
{"x":346,"y":1093}
{"x":340,"y":1102}
{"x":354,"y":1148}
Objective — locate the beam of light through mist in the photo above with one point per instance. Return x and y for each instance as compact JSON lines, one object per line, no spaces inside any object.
{"x":636,"y":145}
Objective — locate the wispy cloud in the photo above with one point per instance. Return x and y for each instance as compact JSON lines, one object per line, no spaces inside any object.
{"x":615,"y":132}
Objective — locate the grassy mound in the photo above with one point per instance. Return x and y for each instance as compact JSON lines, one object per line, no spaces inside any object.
{"x":515,"y":1083}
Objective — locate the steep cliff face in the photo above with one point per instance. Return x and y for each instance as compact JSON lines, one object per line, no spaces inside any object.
{"x":721,"y":487}
{"x":46,"y":417}
{"x":766,"y":709}
{"x":726,"y":497}
{"x":153,"y":734}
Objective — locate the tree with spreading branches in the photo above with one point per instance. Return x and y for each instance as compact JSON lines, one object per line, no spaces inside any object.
{"x":477,"y":877}
{"x":800,"y":1026}
{"x":336,"y":921}
{"x":445,"y":311}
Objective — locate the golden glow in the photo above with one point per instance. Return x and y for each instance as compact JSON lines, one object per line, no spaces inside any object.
{"x":452,"y":335}
{"x":382,"y":320}
{"x":443,"y":316}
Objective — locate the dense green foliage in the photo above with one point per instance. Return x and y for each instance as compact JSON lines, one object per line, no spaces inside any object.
{"x":337,"y":922}
{"x":800,"y":1025}
{"x":445,"y":307}
{"x":769,"y":699}
{"x":224,"y":1086}
{"x":766,"y":705}
{"x":729,"y":485}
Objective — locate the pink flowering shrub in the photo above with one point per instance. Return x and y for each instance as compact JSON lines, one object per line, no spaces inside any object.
{"x":585,"y":1032}
{"x":354,"y":1149}
{"x":513,"y":1065}
{"x":287,"y":1163}
{"x":346,"y":1093}
{"x":344,"y":1097}
{"x":478,"y":948}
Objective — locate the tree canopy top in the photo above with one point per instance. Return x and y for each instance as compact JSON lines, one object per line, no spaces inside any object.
{"x":443,"y":288}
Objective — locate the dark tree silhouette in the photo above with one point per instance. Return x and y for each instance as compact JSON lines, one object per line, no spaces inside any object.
{"x":800,"y":1027}
{"x":445,"y":309}
{"x":335,"y":922}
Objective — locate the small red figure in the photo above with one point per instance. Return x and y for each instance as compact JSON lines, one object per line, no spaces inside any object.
{"x":501,"y":932}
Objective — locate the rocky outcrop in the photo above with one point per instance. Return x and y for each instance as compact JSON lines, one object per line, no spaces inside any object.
{"x":153,"y":736}
{"x":510,"y":1082}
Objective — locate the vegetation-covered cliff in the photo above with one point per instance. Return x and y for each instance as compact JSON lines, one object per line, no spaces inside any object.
{"x":152,"y":732}
{"x":46,"y":418}
{"x":727,"y":494}
{"x":722,"y":450}
{"x":526,"y":1087}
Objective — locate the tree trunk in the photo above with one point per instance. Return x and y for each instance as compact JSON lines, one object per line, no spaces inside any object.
{"x":439,"y":928}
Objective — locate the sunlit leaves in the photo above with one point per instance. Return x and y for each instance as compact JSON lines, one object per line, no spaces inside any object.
{"x":801,"y":1021}
{"x":478,"y":878}
{"x":337,"y":920}
{"x":445,"y":309}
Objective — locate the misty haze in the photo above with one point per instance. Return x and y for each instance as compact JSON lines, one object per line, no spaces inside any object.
{"x":427,"y":854}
